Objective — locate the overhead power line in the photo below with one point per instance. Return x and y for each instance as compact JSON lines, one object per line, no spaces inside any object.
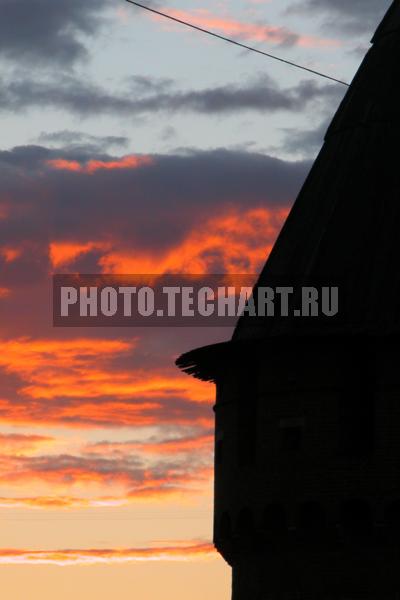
{"x":235,"y":42}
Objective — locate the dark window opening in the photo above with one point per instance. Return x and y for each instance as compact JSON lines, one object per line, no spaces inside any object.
{"x":291,"y":434}
{"x":357,"y":407}
{"x":246,"y":435}
{"x":311,"y":520}
{"x":392,"y":518}
{"x":357,"y":518}
{"x":291,"y":439}
{"x":245,"y":523}
{"x":275,"y":521}
{"x":247,"y":414}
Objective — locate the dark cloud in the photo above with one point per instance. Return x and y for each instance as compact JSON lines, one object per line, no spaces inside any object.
{"x":87,"y":99}
{"x":149,"y":211}
{"x":46,"y":30}
{"x":130,"y":204}
{"x":346,"y":16}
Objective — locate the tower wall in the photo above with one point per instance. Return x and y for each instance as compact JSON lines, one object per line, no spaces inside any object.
{"x":312,"y":575}
{"x":307,"y":490}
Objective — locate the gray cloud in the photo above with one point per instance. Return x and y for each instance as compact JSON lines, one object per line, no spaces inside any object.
{"x":347,"y":16}
{"x":68,"y":93}
{"x":308,"y":142}
{"x":150,"y":85}
{"x":261,"y":94}
{"x":128,"y":470}
{"x":78,"y":139}
{"x":305,"y":143}
{"x":168,"y":133}
{"x":46,"y":30}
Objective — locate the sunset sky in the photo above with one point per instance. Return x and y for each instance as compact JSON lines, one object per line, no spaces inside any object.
{"x":132,"y":145}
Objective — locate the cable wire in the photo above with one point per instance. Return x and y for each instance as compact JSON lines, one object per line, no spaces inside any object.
{"x":235,"y":42}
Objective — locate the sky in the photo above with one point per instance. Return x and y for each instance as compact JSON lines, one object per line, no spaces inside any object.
{"x":132,"y":145}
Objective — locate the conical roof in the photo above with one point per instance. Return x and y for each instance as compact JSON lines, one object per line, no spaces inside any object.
{"x":390,"y":23}
{"x":344,"y":228}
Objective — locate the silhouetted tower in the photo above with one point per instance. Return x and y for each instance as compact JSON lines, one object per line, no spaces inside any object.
{"x":307,"y":445}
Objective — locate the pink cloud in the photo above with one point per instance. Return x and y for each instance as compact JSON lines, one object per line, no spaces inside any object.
{"x":251,"y":31}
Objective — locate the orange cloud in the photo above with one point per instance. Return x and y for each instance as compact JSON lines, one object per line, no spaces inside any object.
{"x":250,"y":31}
{"x":200,"y":443}
{"x":10,"y":254}
{"x":81,"y":412}
{"x":57,"y":502}
{"x":16,"y":444}
{"x":233,"y":242}
{"x":24,"y":355}
{"x":89,"y":382}
{"x":132,"y":478}
{"x":4,"y":211}
{"x":4,"y":292}
{"x":91,"y":556}
{"x":38,"y":359}
{"x":159,"y":492}
{"x":142,"y":495}
{"x":82,"y":372}
{"x":63,"y":253}
{"x":91,"y":166}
